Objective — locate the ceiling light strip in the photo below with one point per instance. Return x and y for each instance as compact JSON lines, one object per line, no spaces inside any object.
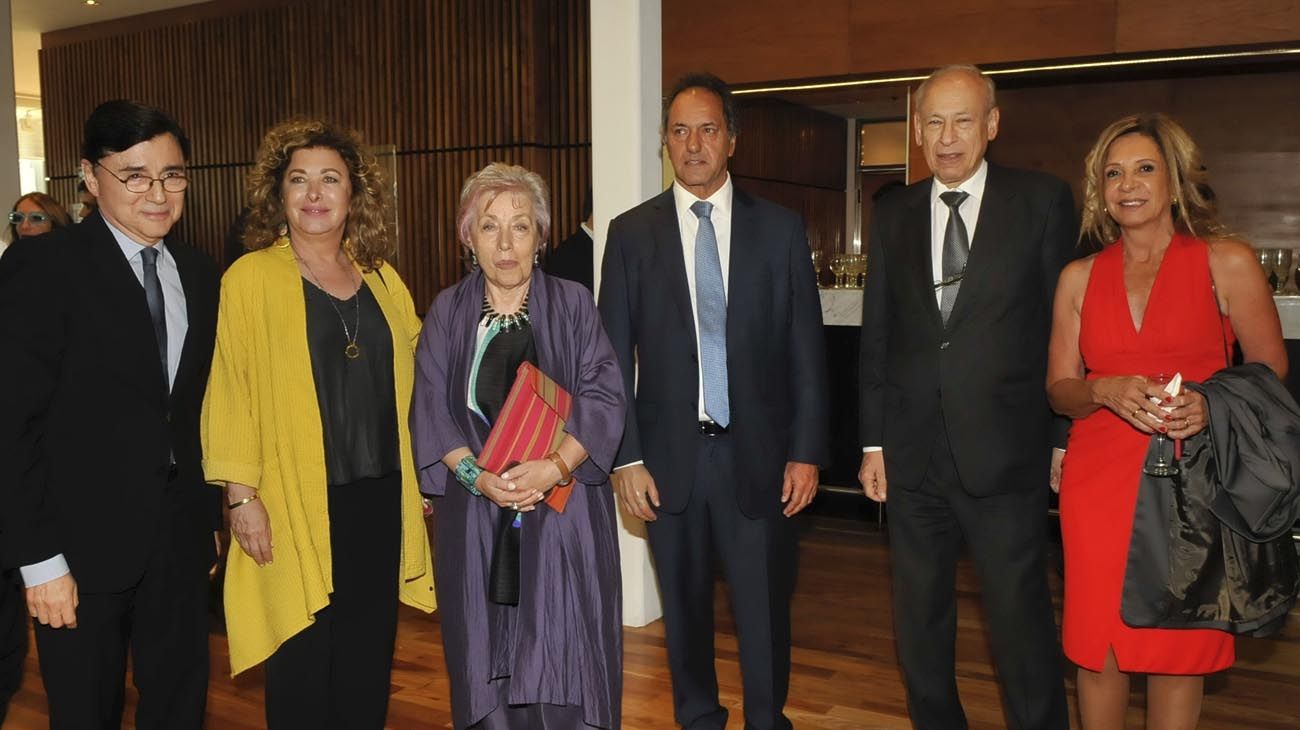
{"x":1041,"y":68}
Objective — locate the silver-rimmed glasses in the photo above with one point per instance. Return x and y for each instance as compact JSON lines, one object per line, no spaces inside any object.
{"x":172,"y":181}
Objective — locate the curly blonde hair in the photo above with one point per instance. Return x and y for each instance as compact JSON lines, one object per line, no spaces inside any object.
{"x":1193,"y":207}
{"x":367,"y":236}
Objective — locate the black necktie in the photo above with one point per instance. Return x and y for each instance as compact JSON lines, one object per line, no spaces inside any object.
{"x":956,"y":249}
{"x":157,"y":312}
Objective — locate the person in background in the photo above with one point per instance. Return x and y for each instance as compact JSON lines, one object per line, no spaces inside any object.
{"x":710,"y":291}
{"x":108,"y":329}
{"x":35,"y":214}
{"x":1168,"y":293}
{"x":574,"y":258}
{"x":955,"y":427}
{"x":305,"y":425}
{"x":531,"y":598}
{"x":86,"y":200}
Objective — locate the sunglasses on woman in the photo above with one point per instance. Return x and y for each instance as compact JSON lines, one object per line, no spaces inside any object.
{"x":37,"y":218}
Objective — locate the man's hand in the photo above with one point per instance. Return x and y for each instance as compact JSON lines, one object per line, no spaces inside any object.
{"x":637,"y":489}
{"x":872,"y":476}
{"x":55,"y":603}
{"x":1058,"y":455}
{"x":798,"y":487}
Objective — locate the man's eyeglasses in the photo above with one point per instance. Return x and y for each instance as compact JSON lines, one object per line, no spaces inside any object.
{"x":36,"y":219}
{"x":173,"y":181}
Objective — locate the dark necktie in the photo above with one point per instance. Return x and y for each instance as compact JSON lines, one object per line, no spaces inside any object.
{"x":956,"y":249}
{"x":711,"y":303}
{"x":157,"y":312}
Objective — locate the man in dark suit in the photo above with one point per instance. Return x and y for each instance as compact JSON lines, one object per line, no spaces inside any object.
{"x":953,"y":406}
{"x":13,"y":637}
{"x":108,"y":329}
{"x":573,"y":258}
{"x":709,"y":293}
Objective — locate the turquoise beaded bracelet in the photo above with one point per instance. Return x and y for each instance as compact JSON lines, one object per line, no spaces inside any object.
{"x":467,"y":472}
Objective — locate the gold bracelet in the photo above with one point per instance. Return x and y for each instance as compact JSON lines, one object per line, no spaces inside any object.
{"x":243,"y":501}
{"x":565,"y":475}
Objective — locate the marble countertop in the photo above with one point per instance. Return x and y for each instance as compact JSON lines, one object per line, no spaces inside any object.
{"x":843,"y":308}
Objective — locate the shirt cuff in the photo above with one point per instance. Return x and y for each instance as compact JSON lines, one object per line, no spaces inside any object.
{"x":630,"y":463}
{"x":44,"y":571}
{"x":872,"y":449}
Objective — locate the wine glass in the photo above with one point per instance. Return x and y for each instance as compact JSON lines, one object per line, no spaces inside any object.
{"x":1280,"y":262}
{"x":817,"y":265}
{"x":837,"y":268}
{"x":859,"y":270}
{"x":1160,"y":456}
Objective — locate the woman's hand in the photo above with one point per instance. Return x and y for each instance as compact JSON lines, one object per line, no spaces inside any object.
{"x":249,"y":523}
{"x":507,"y":494}
{"x":1129,"y":397}
{"x":539,"y":475}
{"x":1189,"y":415}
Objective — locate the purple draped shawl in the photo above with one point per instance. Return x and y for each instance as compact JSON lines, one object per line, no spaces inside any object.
{"x":563,"y":643}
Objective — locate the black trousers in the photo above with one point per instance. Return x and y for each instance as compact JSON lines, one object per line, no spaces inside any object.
{"x":13,"y":637}
{"x":335,"y":673}
{"x":1006,"y":535}
{"x":758,"y":560}
{"x":162,"y":620}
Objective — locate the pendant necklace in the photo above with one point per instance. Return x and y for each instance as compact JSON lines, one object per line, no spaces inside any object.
{"x":352,"y":351}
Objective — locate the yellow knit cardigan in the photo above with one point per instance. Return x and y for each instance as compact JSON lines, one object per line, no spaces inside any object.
{"x":261,"y":427}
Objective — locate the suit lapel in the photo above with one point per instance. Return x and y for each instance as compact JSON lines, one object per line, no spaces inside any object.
{"x":745,"y":264}
{"x":196,"y":315}
{"x":121,"y":308}
{"x":668,"y":244}
{"x":987,"y":247}
{"x":921,"y":258}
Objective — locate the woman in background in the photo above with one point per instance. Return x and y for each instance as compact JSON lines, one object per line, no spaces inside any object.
{"x":35,"y":214}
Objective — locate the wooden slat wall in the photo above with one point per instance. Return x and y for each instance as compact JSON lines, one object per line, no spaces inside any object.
{"x":797,"y":157}
{"x":452,"y":84}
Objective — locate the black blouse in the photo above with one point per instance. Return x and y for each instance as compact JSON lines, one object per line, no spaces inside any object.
{"x":358,"y":407}
{"x":496,"y":371}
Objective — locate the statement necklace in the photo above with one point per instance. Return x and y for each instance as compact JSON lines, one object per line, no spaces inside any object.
{"x":350,"y":350}
{"x":504,"y":322}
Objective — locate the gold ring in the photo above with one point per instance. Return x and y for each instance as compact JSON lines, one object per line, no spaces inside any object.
{"x":1136,"y":411}
{"x":514,"y":505}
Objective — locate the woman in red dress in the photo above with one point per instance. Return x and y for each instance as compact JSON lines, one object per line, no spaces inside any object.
{"x":1145,"y":305}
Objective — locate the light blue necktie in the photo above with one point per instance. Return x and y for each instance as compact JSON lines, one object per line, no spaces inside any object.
{"x":711,"y":305}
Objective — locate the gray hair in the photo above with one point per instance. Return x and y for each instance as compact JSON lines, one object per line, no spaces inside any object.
{"x":497,"y":178}
{"x":957,"y":68}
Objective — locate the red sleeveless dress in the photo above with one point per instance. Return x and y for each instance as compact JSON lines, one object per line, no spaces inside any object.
{"x":1182,"y":332}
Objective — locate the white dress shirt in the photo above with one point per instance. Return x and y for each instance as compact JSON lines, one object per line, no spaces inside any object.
{"x":177,"y":316}
{"x":689,"y":226}
{"x":939,"y":212}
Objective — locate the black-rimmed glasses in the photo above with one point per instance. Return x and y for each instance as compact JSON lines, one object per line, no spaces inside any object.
{"x":173,"y":181}
{"x":37,"y":218}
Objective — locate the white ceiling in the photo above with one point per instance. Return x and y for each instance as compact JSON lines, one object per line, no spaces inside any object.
{"x":33,"y":17}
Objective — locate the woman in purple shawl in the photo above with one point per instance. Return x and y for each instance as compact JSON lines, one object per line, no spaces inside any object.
{"x":530,"y":598}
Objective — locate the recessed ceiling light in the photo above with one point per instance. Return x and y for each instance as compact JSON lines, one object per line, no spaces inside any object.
{"x":92,"y":2}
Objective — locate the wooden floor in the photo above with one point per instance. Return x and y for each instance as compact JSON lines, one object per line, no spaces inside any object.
{"x":844,"y":673}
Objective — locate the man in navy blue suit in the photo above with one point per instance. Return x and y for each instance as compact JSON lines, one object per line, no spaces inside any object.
{"x":709,"y":293}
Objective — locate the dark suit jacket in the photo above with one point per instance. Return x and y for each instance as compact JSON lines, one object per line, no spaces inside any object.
{"x":987,"y":368}
{"x":573,"y":259}
{"x":86,"y":423}
{"x":776,"y":365}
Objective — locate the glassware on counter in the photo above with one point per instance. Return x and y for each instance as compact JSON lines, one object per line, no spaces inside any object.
{"x":817,"y":266}
{"x":1281,"y":266}
{"x":837,"y":268}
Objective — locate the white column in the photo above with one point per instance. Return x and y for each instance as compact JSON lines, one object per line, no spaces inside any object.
{"x":626,"y":87}
{"x":9,"y":190}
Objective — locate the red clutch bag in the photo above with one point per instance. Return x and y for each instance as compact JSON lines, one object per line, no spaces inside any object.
{"x":530,"y":426}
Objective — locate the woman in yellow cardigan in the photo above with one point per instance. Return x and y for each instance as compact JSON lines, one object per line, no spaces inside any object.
{"x":305,"y":425}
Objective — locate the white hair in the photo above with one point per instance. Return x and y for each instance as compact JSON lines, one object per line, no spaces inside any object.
{"x":957,"y":68}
